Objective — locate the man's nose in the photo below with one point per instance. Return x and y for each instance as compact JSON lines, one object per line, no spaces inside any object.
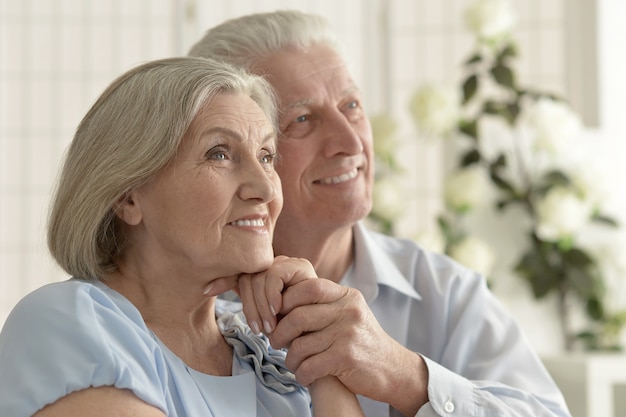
{"x":341,"y":136}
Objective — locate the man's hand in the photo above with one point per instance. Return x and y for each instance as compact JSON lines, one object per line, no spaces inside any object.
{"x":330,"y":330}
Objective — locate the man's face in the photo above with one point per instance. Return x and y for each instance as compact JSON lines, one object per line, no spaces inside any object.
{"x":326,"y":152}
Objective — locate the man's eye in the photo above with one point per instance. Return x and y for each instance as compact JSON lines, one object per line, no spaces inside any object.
{"x":354,"y":104}
{"x":301,"y":119}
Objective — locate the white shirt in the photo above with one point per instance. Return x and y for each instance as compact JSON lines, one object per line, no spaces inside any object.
{"x":479,"y":362}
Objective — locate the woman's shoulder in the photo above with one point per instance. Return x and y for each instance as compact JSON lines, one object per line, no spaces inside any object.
{"x":71,"y":335}
{"x":69,"y":302}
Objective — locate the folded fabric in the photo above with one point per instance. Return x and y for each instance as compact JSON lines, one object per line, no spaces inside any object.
{"x":268,"y":363}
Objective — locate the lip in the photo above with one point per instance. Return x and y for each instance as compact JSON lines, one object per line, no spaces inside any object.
{"x":339,"y":178}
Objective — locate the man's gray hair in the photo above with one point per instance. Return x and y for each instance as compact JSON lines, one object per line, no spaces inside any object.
{"x":244,"y":40}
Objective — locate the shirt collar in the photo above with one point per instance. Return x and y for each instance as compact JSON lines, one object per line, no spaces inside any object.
{"x":373,"y":266}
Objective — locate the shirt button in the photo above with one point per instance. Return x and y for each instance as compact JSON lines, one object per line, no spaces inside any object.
{"x":448,"y":406}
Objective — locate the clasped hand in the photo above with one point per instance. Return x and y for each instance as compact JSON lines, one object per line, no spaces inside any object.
{"x":327,"y":328}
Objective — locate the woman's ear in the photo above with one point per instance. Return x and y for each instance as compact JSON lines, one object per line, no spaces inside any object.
{"x":127,"y":209}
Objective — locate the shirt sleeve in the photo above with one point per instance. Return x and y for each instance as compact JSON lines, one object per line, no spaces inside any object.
{"x":486,"y":368}
{"x":70,"y":336}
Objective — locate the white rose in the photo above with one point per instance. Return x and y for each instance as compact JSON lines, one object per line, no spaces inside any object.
{"x":554,"y":125}
{"x":465,"y":189}
{"x":474,"y":254}
{"x":432,"y":240}
{"x":436,"y":109}
{"x":560,"y":214}
{"x":383,"y":130}
{"x":388,"y":201}
{"x":592,"y":182}
{"x":490,"y":19}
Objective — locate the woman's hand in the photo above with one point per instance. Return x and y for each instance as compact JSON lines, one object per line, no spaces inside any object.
{"x":262,"y":293}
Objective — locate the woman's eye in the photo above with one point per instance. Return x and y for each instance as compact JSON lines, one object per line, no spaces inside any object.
{"x":301,"y":119}
{"x":219,"y":154}
{"x":353,"y":104}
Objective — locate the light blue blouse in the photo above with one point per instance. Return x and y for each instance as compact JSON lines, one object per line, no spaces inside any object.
{"x":75,"y":334}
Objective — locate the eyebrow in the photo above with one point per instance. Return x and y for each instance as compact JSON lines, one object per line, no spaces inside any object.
{"x":307,"y":101}
{"x":235,"y":135}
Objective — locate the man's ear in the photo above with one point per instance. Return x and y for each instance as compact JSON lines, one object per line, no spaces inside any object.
{"x":127,"y":209}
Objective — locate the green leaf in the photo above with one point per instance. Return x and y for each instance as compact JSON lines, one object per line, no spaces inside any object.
{"x":502,"y":204}
{"x":595,"y":309}
{"x":470,"y":128}
{"x":471,"y":157}
{"x":556,"y":177}
{"x":565,"y":243}
{"x":474,"y":59}
{"x":578,"y":258}
{"x":604,"y":219}
{"x":500,"y":182}
{"x":499,"y":163}
{"x":581,"y":281}
{"x":512,"y":112}
{"x":503,"y":76}
{"x":491,"y":107}
{"x":470,"y":86}
{"x":444,"y":226}
{"x":542,"y":277}
{"x":508,"y":51}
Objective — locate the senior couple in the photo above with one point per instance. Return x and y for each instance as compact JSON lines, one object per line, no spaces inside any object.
{"x":170,"y":195}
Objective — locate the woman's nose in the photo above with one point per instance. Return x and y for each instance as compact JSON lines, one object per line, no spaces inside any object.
{"x":258,"y":183}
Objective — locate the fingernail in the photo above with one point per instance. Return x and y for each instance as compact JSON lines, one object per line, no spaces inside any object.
{"x":255,"y":327}
{"x":272,"y":310}
{"x":267,"y":326}
{"x":207,"y":289}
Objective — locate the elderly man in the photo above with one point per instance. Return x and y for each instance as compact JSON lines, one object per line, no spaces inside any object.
{"x":411,"y":332}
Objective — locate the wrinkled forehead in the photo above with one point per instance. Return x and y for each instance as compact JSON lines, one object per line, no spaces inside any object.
{"x":230,"y":112}
{"x":298,"y":74}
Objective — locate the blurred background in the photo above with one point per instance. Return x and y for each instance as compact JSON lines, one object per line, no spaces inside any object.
{"x":56,"y":57}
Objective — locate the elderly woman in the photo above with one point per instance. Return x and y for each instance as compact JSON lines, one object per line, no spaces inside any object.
{"x":168,"y":185}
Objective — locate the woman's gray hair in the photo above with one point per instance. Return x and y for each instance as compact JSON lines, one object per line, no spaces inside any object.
{"x":245,"y":40}
{"x":132,"y":131}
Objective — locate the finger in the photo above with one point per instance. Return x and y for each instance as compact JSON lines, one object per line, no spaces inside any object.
{"x":220,"y":285}
{"x":282,"y":273}
{"x":264,"y":289}
{"x":315,"y":367}
{"x":307,"y":292}
{"x":246,"y":293}
{"x":300,"y":321}
{"x":291,"y":270}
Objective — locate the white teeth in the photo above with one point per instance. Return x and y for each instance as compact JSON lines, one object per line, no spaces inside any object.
{"x":341,"y":178}
{"x":258,"y":222}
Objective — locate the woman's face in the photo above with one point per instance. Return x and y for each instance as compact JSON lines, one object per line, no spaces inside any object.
{"x":214,"y":207}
